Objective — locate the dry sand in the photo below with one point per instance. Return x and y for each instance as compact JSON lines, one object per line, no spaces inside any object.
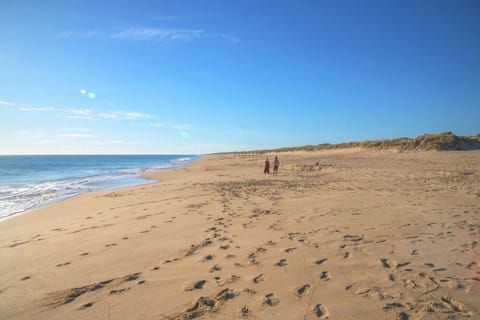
{"x":363,"y":235}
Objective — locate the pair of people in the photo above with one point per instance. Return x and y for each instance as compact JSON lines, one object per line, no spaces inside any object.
{"x":276,"y":164}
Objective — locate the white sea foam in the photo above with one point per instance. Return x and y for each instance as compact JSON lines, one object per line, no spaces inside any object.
{"x":15,"y":199}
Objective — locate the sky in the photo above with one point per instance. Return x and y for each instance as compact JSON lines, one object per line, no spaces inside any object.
{"x":162,"y":77}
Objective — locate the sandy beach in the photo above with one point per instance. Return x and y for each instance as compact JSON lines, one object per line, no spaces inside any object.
{"x":340,"y":234}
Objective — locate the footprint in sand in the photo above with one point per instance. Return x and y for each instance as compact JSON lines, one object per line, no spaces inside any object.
{"x":300,"y":292}
{"x":215,"y":268}
{"x":325,"y":276}
{"x":250,"y":291}
{"x":258,"y":278}
{"x":86,"y":305}
{"x":226,"y":294}
{"x":455,"y":305}
{"x":403,"y":316}
{"x":321,"y":311}
{"x":321,"y":261}
{"x":117,"y":291}
{"x":198,"y":285}
{"x":63,"y":264}
{"x":208,"y":257}
{"x":271,"y":300}
{"x":281,"y":263}
{"x":245,"y":312}
{"x":228,"y":280}
{"x":393,"y":306}
{"x":388,"y":263}
{"x":25,"y":278}
{"x":415,"y":252}
{"x":205,"y":305}
{"x":400,"y":265}
{"x":132,"y":277}
{"x":290,"y":249}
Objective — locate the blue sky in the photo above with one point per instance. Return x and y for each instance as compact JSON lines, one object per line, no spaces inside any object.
{"x":208,"y":76}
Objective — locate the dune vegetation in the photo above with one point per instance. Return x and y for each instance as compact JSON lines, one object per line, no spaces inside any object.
{"x":426,"y":142}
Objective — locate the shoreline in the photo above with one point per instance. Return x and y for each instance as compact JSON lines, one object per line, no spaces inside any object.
{"x":348,"y":238}
{"x":54,"y":201}
{"x":119,"y":183}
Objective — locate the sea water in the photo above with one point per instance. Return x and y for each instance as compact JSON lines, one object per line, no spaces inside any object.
{"x":30,"y":181}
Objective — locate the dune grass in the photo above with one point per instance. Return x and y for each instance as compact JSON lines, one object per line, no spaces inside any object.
{"x":439,"y":142}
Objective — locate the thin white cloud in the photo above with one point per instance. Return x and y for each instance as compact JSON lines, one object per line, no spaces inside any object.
{"x":45,"y":142}
{"x":6,"y":103}
{"x":106,"y":142}
{"x":80,"y":34}
{"x":171,"y":126}
{"x":80,"y":113}
{"x":126,"y":115}
{"x":150,"y":33}
{"x":137,"y":115}
{"x":37,"y":109}
{"x":76,"y":130}
{"x":84,"y":113}
{"x":76,"y":135}
{"x":106,"y":115}
{"x":28,"y":107}
{"x":159,"y":34}
{"x":182,"y":126}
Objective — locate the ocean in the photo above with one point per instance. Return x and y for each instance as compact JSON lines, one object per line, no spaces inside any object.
{"x":27,"y":182}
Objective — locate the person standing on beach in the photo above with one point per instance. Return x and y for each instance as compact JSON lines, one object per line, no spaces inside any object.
{"x":267,"y":166}
{"x":276,"y":164}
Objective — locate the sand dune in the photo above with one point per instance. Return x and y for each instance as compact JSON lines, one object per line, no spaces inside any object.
{"x":360,"y":235}
{"x":426,"y":142}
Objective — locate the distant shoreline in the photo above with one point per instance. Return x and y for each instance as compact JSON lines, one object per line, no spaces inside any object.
{"x":54,"y":194}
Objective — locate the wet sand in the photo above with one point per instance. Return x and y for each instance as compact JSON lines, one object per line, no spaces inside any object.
{"x":361,"y":235}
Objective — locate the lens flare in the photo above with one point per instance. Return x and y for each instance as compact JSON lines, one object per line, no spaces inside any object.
{"x":185,"y":134}
{"x":92,"y":95}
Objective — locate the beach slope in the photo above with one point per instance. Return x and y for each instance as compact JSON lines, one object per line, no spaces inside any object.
{"x":339,"y":234}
